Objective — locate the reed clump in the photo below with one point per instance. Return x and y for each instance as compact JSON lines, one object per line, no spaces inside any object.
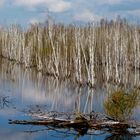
{"x":120,"y":104}
{"x":76,"y":52}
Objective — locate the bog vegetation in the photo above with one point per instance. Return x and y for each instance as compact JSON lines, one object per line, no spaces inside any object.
{"x":77,"y":52}
{"x":120,"y":104}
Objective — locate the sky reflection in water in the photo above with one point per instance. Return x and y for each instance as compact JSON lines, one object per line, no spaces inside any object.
{"x":27,"y":90}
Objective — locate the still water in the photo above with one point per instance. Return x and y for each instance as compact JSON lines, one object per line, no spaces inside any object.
{"x":23,"y":90}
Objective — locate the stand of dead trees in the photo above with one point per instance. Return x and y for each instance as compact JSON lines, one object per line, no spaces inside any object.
{"x":76,"y":52}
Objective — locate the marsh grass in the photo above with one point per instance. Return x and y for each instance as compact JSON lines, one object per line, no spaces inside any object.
{"x":120,"y":104}
{"x":76,"y":52}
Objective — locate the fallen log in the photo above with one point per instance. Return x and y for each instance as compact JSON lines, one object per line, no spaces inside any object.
{"x":82,"y":122}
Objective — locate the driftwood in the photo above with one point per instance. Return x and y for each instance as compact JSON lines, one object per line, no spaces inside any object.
{"x":82,"y":122}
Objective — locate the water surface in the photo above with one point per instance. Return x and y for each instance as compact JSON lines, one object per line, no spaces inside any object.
{"x":23,"y":90}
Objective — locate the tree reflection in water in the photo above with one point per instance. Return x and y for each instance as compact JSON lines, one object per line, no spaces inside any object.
{"x":120,"y":104}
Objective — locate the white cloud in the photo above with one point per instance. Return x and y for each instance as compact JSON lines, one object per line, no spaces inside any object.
{"x":58,"y":6}
{"x":86,"y":16}
{"x":113,"y":2}
{"x":134,"y":12}
{"x":1,"y":2}
{"x":52,"y":5}
{"x":110,"y":1}
{"x":33,"y":21}
{"x":28,"y":2}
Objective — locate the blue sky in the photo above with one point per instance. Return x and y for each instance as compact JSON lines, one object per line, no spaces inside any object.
{"x":67,"y":11}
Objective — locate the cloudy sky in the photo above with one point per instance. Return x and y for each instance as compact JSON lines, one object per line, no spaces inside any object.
{"x":67,"y":11}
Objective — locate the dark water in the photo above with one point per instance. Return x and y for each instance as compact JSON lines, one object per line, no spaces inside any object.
{"x":23,"y":90}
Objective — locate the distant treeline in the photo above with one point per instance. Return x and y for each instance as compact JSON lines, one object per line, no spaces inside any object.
{"x":77,"y":52}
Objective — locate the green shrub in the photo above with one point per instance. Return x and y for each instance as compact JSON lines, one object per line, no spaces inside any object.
{"x":120,"y":104}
